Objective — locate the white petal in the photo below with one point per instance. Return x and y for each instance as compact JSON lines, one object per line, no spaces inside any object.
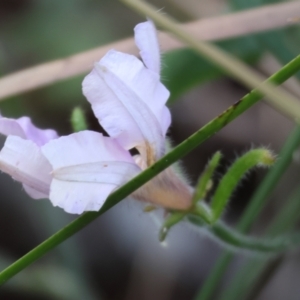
{"x":35,"y":194}
{"x":129,"y":101}
{"x":146,"y":39}
{"x":86,"y":187}
{"x":82,"y":148}
{"x":37,"y":135}
{"x":111,"y":172}
{"x":11,"y":127}
{"x":23,"y":161}
{"x":75,"y":198}
{"x":87,"y":168}
{"x":24,"y":128}
{"x":165,"y":120}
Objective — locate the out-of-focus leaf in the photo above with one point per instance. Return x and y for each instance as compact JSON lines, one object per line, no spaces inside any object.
{"x":283,"y":44}
{"x":47,"y":280}
{"x":50,"y":29}
{"x":245,"y":4}
{"x":46,"y":30}
{"x":185,"y":69}
{"x":15,"y":107}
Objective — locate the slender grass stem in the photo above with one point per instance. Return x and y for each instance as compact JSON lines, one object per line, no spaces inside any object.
{"x":177,"y":153}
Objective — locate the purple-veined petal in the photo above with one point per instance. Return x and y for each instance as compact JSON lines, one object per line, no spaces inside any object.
{"x":87,"y":167}
{"x":129,"y":101}
{"x":146,"y":40}
{"x":24,"y":128}
{"x":23,"y":161}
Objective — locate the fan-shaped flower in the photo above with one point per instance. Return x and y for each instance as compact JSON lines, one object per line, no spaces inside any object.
{"x":82,"y":169}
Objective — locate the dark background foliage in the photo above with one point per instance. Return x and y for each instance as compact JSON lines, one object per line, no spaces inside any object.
{"x":119,"y":255}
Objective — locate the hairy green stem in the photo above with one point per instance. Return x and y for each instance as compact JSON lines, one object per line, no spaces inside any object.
{"x":234,"y":240}
{"x":203,"y":185}
{"x":233,"y":176}
{"x":178,"y":152}
{"x":256,"y":205}
{"x":242,"y":284}
{"x":281,"y":100}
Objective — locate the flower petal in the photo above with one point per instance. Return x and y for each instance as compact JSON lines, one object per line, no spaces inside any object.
{"x":35,"y":194}
{"x":75,"y":198}
{"x":146,"y":39}
{"x":167,"y":190}
{"x":23,"y":161}
{"x":129,"y":101}
{"x":24,"y":128}
{"x":11,"y":127}
{"x":112,"y":172}
{"x":87,"y":168}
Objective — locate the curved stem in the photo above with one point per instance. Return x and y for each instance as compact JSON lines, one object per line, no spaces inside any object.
{"x":256,"y":205}
{"x":238,"y":169}
{"x":234,"y":240}
{"x":244,"y":281}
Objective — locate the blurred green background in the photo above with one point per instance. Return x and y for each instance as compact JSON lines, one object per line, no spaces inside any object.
{"x":119,"y":256}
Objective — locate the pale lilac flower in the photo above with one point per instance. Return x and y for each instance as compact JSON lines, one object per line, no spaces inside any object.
{"x":87,"y":167}
{"x":21,"y":156}
{"x":128,"y":98}
{"x":82,"y":169}
{"x":129,"y":101}
{"x":24,"y":128}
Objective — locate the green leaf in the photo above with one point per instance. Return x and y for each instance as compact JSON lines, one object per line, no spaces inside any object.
{"x":282,"y":44}
{"x":245,"y":4}
{"x":186,"y":69}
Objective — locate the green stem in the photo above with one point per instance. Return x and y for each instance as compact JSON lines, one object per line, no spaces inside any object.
{"x":242,"y":284}
{"x":281,"y":100}
{"x":256,"y":205}
{"x":233,"y":176}
{"x":203,"y":211}
{"x":178,"y":152}
{"x":203,"y":185}
{"x":172,"y":219}
{"x":233,"y":240}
